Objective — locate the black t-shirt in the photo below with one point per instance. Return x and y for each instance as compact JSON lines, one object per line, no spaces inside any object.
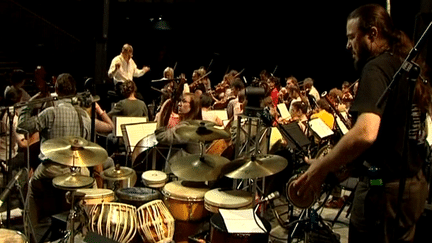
{"x":387,"y":151}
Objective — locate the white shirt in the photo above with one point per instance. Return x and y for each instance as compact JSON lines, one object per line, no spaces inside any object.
{"x":127,"y":70}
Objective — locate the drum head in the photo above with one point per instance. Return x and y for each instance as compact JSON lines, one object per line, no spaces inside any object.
{"x":154,"y":178}
{"x":137,"y":196}
{"x":7,"y":236}
{"x":97,"y":195}
{"x":228,"y":199}
{"x":177,"y":190}
{"x":300,"y":201}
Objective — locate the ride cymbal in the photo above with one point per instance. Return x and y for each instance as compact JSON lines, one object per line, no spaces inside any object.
{"x":255,"y":166}
{"x":74,"y":151}
{"x":198,"y":168}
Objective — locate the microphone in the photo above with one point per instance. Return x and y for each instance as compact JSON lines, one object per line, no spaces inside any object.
{"x":270,"y":197}
{"x":8,"y":188}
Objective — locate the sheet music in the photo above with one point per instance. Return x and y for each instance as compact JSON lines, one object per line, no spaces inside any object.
{"x":133,"y":133}
{"x":241,"y":221}
{"x":222,"y":114}
{"x":120,"y":120}
{"x":341,"y":125}
{"x":283,"y":111}
{"x":320,"y":128}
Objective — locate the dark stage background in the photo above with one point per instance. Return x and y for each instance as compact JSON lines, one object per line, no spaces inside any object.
{"x":300,"y":38}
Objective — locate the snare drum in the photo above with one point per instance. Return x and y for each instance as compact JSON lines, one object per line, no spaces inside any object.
{"x":232,"y":199}
{"x":12,"y":236}
{"x":137,"y":196}
{"x":155,"y":222}
{"x":154,"y":178}
{"x":116,"y":221}
{"x":184,"y":202}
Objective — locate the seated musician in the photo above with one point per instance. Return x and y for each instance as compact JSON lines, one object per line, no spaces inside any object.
{"x":129,"y":106}
{"x":206,"y":102}
{"x":189,"y":109}
{"x":53,"y":122}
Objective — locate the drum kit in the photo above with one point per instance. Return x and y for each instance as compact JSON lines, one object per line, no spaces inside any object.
{"x":140,"y":209}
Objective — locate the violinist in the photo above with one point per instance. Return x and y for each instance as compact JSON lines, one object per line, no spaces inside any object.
{"x":170,"y":86}
{"x":310,"y":89}
{"x":293,"y":96}
{"x":200,"y":81}
{"x":347,"y":96}
{"x":274,"y":87}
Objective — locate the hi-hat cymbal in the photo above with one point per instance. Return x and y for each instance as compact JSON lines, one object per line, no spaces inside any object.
{"x":198,"y":168}
{"x":255,"y":166}
{"x":203,"y":132}
{"x":72,"y":181}
{"x":74,"y":151}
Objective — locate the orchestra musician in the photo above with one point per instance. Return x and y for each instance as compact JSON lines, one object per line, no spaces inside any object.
{"x":380,"y":213}
{"x":53,"y":122}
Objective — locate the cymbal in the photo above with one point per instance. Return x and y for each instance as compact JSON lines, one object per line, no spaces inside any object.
{"x":201,"y":123}
{"x":117,"y":173}
{"x":203,"y":132}
{"x":72,"y":181}
{"x":197,"y":168}
{"x":74,"y":151}
{"x":255,"y":166}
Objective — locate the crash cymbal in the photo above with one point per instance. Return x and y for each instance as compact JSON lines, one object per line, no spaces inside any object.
{"x":198,"y":168}
{"x":118,"y":173}
{"x":74,"y":151}
{"x":72,"y":181}
{"x":202,"y":132}
{"x":255,"y":166}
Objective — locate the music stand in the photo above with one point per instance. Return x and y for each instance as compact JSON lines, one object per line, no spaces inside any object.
{"x":134,"y":132}
{"x":120,"y":120}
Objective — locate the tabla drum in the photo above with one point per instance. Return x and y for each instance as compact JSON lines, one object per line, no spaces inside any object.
{"x":154,"y":178}
{"x":155,"y":222}
{"x":116,"y":221}
{"x":231,"y":199}
{"x":300,"y":201}
{"x":12,"y":236}
{"x":184,"y":201}
{"x":219,"y":232}
{"x":94,"y":196}
{"x":137,"y":196}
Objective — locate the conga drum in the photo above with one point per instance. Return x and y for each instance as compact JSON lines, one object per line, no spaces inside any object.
{"x":155,"y":222}
{"x":301,"y":201}
{"x":12,"y":236}
{"x":137,"y":196}
{"x":116,"y":221}
{"x":184,"y":201}
{"x":219,"y":232}
{"x":230,"y":199}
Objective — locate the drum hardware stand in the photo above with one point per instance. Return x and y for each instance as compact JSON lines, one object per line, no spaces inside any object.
{"x":308,"y":221}
{"x":250,"y":183}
